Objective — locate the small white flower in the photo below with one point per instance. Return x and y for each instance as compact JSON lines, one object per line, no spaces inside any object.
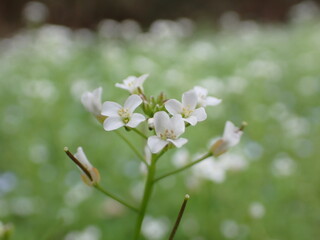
{"x":93,"y":172}
{"x":132,"y":83}
{"x":119,"y":116}
{"x":187,"y":108}
{"x":92,"y":101}
{"x":231,"y":137}
{"x":203,"y":99}
{"x":168,"y":131}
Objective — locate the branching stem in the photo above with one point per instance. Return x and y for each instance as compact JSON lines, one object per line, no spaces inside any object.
{"x":98,"y":187}
{"x":183,"y":168}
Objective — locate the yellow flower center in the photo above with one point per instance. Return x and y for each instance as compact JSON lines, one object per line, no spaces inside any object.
{"x":186,"y":112}
{"x":125,"y":114}
{"x":168,"y":134}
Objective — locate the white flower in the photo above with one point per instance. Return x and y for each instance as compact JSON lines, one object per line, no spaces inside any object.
{"x":231,"y":137}
{"x":132,"y":83}
{"x":168,"y":131}
{"x":92,"y":101}
{"x":187,"y":108}
{"x":119,"y":116}
{"x":203,"y":99}
{"x":87,"y":168}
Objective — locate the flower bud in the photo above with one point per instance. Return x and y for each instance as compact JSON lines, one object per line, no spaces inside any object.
{"x":231,"y":137}
{"x":90,"y":175}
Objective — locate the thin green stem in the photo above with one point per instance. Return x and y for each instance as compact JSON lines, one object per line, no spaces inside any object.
{"x":136,"y":151}
{"x":184,"y":168}
{"x":147,"y":193}
{"x":115,"y":198}
{"x":176,"y":225}
{"x":139,"y":133}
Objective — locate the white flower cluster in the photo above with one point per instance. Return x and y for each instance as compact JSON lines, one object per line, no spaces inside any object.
{"x":166,"y":118}
{"x":168,"y":124}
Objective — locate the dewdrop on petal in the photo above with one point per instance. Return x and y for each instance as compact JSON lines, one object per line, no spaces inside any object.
{"x":90,"y":175}
{"x":231,"y":137}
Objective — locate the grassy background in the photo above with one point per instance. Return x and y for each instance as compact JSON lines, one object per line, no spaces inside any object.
{"x":266,"y":75}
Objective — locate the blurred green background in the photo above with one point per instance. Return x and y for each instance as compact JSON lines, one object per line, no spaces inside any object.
{"x":267,"y":74}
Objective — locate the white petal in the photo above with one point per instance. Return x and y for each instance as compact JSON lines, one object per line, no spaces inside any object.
{"x":112,"y":123}
{"x":97,"y":93}
{"x":192,"y":120}
{"x":173,"y":106}
{"x":201,"y":91}
{"x":212,"y":101}
{"x":161,"y":121}
{"x":140,"y":80}
{"x":177,"y":124}
{"x":110,"y":109}
{"x":231,"y":134}
{"x":81,"y":156}
{"x":190,"y":99}
{"x":92,"y":101}
{"x":178,"y":142}
{"x":135,"y":120}
{"x":200,"y":114}
{"x":156,"y":144}
{"x":133,"y":102}
{"x":123,"y":86}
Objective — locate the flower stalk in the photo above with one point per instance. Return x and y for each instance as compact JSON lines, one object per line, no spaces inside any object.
{"x":176,"y":225}
{"x":209,"y":154}
{"x":114,"y":197}
{"x":146,"y":196}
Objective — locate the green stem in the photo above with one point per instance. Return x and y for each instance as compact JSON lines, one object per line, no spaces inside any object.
{"x":146,"y":196}
{"x":183,"y":168}
{"x":139,"y":133}
{"x":115,"y":198}
{"x":139,"y":155}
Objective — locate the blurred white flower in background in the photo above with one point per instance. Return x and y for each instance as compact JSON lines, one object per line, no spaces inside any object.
{"x":283,"y":166}
{"x":257,"y":210}
{"x":8,"y":182}
{"x":155,"y":228}
{"x":54,"y":43}
{"x":130,"y":29}
{"x":41,"y":89}
{"x":89,"y":233}
{"x":230,"y":229}
{"x":210,"y":169}
{"x":77,"y":194}
{"x":35,"y":12}
{"x":92,"y":101}
{"x":24,"y":206}
{"x":109,"y":28}
{"x":180,"y":157}
{"x":304,"y":11}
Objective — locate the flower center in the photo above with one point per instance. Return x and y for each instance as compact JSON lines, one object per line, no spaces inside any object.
{"x":125,"y":114}
{"x":168,"y":134}
{"x":186,"y":112}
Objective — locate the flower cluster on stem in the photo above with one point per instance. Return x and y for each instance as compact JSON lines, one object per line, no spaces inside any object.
{"x":164,"y":120}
